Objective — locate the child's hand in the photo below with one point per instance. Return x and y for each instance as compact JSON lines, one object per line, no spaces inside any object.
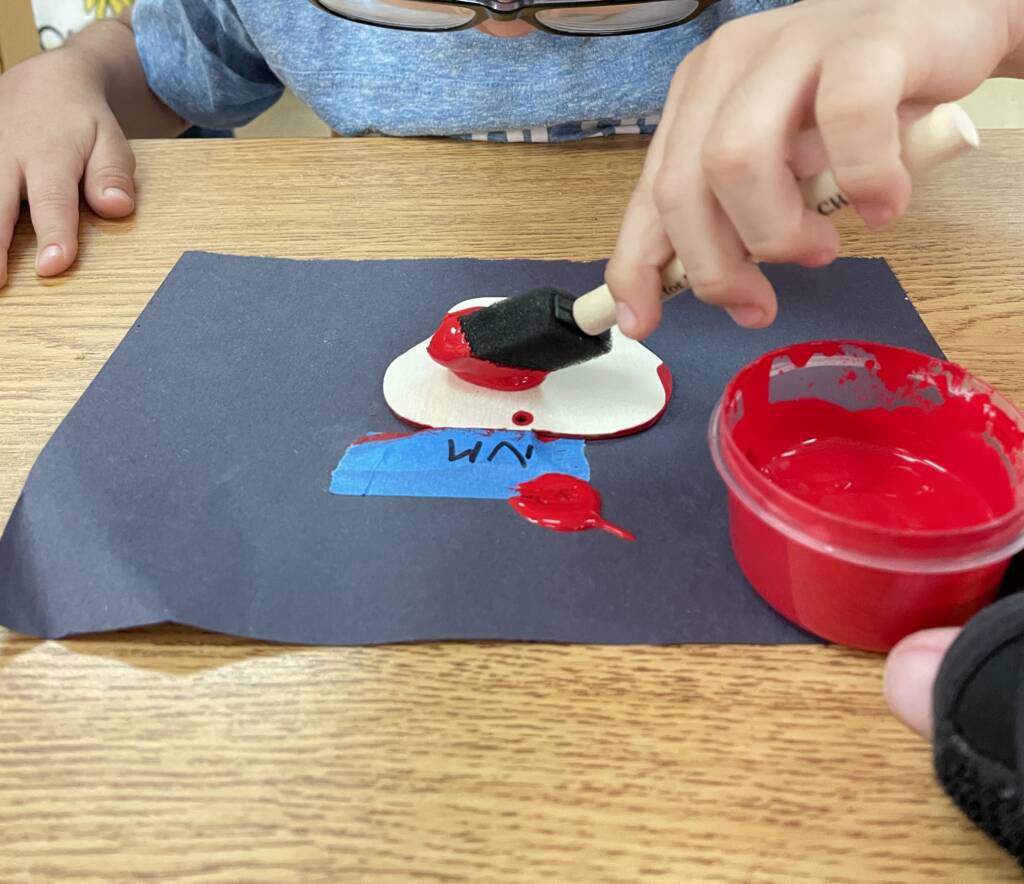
{"x":781,"y":95}
{"x":57,"y":131}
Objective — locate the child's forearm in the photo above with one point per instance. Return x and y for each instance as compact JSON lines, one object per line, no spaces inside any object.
{"x":106,"y":53}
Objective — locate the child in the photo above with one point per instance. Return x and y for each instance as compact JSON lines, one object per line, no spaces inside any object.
{"x":771,"y":97}
{"x":219,"y":63}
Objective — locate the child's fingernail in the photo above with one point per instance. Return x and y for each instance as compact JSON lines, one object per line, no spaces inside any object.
{"x":874,"y":215}
{"x":625,"y":318}
{"x":116,"y":193}
{"x":50,"y":253}
{"x":748,"y":317}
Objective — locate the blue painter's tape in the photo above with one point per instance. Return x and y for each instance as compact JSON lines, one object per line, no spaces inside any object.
{"x":484,"y":464}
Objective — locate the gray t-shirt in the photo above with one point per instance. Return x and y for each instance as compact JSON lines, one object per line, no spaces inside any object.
{"x":219,"y":63}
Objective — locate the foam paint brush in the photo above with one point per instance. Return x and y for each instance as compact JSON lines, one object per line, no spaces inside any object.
{"x":547,"y":329}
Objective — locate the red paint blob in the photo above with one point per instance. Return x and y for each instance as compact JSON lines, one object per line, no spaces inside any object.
{"x":874,"y":491}
{"x":449,"y":347}
{"x":522,"y":418}
{"x":563,"y":503}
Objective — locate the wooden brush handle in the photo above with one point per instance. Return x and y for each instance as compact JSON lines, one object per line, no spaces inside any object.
{"x":939,"y":136}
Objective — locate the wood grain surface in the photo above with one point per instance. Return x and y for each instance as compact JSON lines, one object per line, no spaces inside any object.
{"x":166,"y":754}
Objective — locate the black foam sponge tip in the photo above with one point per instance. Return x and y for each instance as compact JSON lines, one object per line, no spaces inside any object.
{"x":533,"y":330}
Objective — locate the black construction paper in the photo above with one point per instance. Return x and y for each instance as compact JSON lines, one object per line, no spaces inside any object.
{"x":190,"y":481}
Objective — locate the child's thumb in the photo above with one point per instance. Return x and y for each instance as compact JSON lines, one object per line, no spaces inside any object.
{"x":109,"y":183}
{"x":910,"y":676}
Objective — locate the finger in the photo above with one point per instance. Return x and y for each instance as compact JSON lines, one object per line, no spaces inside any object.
{"x":701,"y":234}
{"x":910,"y":674}
{"x":807,"y":154}
{"x":746,"y":157}
{"x":633,"y":274}
{"x":51,"y":184}
{"x":109,"y":183}
{"x":10,"y":208}
{"x":717,"y":264}
{"x":857,"y":111}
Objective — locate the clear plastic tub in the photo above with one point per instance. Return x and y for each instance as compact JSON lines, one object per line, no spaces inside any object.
{"x":873,"y":491}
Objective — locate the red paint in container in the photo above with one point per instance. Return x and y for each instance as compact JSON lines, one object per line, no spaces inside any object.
{"x":563,"y":503}
{"x":873,"y":491}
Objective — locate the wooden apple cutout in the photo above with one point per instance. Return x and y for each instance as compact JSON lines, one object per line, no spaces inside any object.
{"x":622,"y":392}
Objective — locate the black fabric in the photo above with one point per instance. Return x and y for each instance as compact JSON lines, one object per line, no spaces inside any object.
{"x":979,"y":721}
{"x":981,"y":711}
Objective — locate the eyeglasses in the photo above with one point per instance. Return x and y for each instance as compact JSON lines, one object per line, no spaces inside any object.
{"x":603,"y":18}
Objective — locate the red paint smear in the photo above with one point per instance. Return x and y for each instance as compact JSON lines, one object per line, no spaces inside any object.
{"x":449,"y":347}
{"x":381,"y":437}
{"x":563,"y":503}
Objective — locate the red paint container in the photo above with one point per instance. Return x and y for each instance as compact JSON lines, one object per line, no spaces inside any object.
{"x":873,"y":491}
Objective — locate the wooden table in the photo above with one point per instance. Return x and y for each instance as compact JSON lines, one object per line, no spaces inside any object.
{"x":170,"y":754}
{"x":19,"y":38}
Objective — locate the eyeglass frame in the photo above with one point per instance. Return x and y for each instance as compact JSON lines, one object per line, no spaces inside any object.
{"x":523,"y":10}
